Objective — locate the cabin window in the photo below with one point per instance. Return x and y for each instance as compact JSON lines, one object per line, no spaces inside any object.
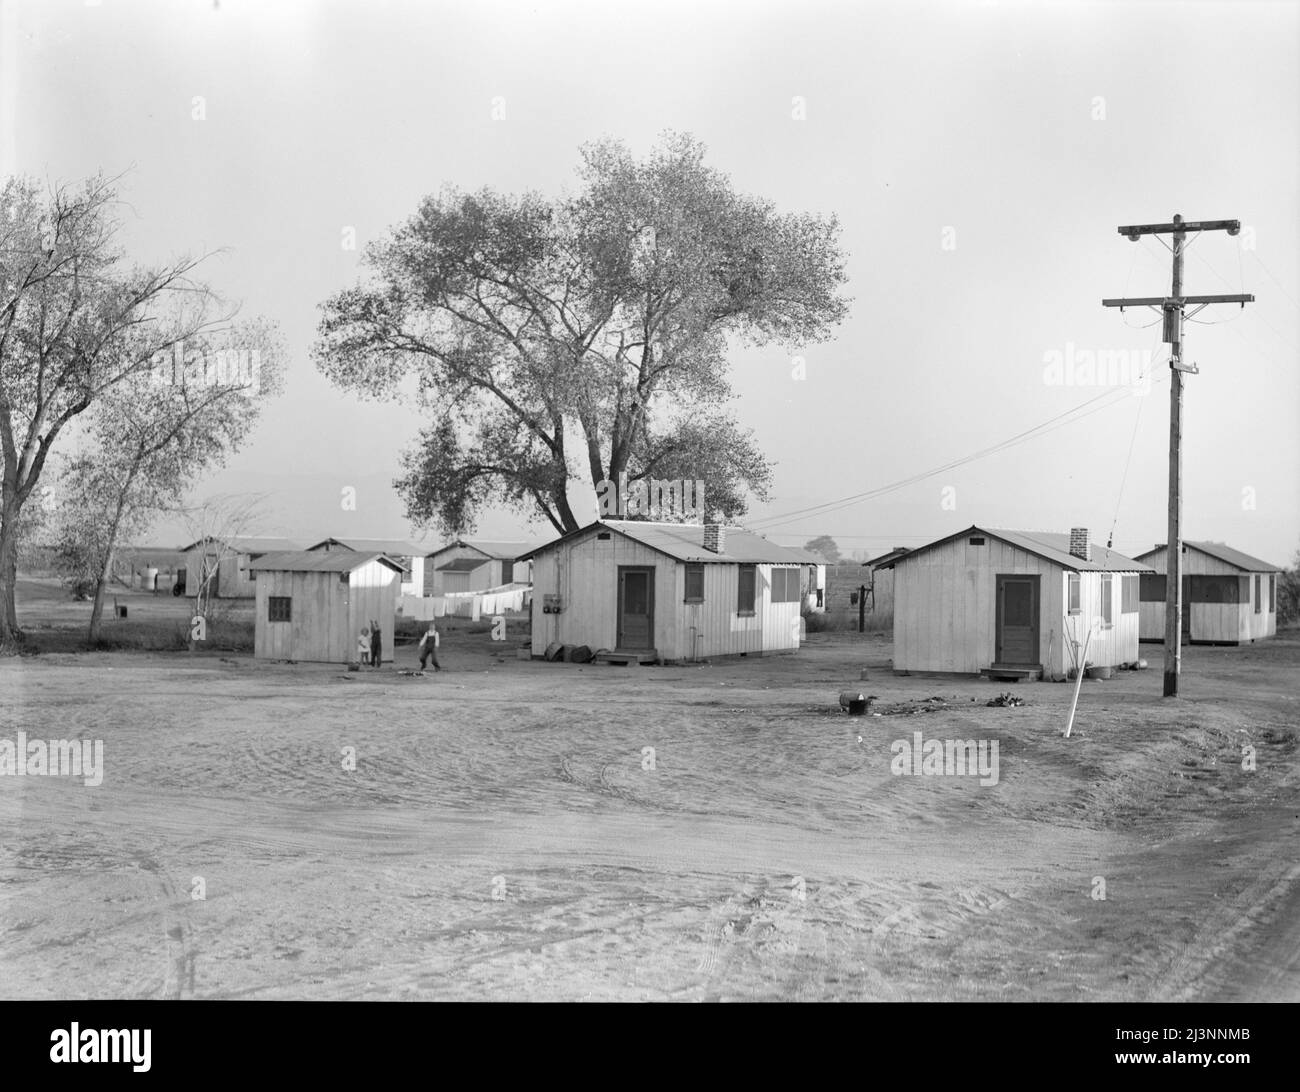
{"x":1272,"y":593}
{"x":785,"y":585}
{"x":1107,"y":600}
{"x":278,"y":608}
{"x":976,"y":540}
{"x":1259,"y":582}
{"x":1128,"y":593}
{"x":507,"y":572}
{"x":1073,"y":600}
{"x":747,"y":589}
{"x":603,"y":536}
{"x":694,"y":583}
{"x":1151,"y":587}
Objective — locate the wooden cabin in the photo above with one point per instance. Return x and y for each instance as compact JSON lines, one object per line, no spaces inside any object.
{"x":313,"y":604}
{"x":228,"y":563}
{"x":1229,"y":598}
{"x":475,"y":564}
{"x":1013,"y":604}
{"x":671,"y":592}
{"x":407,"y":554}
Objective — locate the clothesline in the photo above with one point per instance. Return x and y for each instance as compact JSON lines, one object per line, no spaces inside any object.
{"x":512,"y":597}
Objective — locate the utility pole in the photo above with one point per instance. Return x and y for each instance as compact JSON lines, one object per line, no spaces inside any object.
{"x":1172,"y":308}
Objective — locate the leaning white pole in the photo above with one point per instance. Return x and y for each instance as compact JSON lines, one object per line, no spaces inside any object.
{"x":1078,"y":680}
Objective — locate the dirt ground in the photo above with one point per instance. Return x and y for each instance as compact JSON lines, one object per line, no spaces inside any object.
{"x":506,"y":834}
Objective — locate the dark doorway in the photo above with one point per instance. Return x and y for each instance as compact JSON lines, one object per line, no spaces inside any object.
{"x":636,"y":618}
{"x":1017,"y":620}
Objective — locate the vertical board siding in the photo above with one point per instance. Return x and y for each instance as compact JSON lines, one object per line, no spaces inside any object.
{"x":584,"y":573}
{"x":327,"y":614}
{"x":945,"y":609}
{"x":1224,"y":623}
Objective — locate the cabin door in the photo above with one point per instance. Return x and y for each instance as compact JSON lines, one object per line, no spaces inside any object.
{"x":636,"y":596}
{"x":1017,"y":621}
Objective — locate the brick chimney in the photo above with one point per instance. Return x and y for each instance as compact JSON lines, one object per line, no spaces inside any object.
{"x":715,"y":538}
{"x":1080,"y":547}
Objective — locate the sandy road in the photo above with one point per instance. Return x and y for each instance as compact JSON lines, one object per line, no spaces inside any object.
{"x":501,"y":836}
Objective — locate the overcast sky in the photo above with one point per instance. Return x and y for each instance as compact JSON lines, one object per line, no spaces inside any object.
{"x":979,"y":155}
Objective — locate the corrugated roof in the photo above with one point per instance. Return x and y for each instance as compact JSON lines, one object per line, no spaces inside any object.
{"x":1050,"y":545}
{"x":1226,"y":554}
{"x":396,"y":547}
{"x":685,"y":542}
{"x":248,"y":544}
{"x":320,"y":561}
{"x":497,"y":551}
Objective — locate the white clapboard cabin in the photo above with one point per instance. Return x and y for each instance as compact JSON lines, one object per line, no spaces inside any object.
{"x":644,"y":592}
{"x":228,"y":561}
{"x":313,"y":604}
{"x":1229,"y":598}
{"x":407,"y":554}
{"x":468,"y":565}
{"x":1010,"y":604}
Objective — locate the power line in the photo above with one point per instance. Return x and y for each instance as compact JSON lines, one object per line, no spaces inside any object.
{"x":770,"y":522}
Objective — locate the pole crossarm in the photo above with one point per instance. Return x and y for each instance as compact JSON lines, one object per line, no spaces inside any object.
{"x":1176,"y":301}
{"x":1134,"y":230}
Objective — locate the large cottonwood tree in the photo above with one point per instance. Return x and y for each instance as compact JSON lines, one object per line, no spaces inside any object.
{"x":612,"y":309}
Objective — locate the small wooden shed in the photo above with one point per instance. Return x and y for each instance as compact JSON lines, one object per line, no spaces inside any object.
{"x":674,"y":592}
{"x":1013,"y":604}
{"x":1229,"y":598}
{"x":408,"y":554}
{"x":880,"y":584}
{"x":228,"y":563}
{"x":475,"y":564}
{"x":313,"y":604}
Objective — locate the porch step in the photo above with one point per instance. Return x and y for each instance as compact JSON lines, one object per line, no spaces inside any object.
{"x":1012,"y":672}
{"x":627,"y":656}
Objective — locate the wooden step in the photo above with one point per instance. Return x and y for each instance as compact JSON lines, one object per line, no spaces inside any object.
{"x":1012,"y":672}
{"x":628,"y":656}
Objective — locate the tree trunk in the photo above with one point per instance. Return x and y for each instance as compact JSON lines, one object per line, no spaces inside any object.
{"x":101,"y":585}
{"x":10,"y":634}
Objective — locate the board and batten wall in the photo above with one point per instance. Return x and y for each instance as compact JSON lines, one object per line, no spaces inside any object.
{"x":327,"y":614}
{"x":232,"y":574}
{"x":1214,"y":623}
{"x":584,"y":573}
{"x":945,"y":609}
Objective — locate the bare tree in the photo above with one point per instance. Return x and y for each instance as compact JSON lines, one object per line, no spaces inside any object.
{"x":212,"y":524}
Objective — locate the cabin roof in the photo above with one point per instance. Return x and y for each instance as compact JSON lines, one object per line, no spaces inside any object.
{"x":1227,"y":555}
{"x":883,"y":560}
{"x":493,"y":551}
{"x":246,"y":544}
{"x":321,"y":561}
{"x":463,"y":564}
{"x":1051,"y":546}
{"x":396,"y":547}
{"x":685,"y":542}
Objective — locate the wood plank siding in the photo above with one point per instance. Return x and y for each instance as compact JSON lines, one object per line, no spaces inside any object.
{"x":1220,"y":599}
{"x":584,"y":573}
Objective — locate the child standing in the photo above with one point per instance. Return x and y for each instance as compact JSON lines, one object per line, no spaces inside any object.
{"x":376,"y":645}
{"x":363,"y":646}
{"x":429,"y":647}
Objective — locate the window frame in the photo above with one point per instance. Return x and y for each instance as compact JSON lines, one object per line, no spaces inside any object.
{"x":1259,"y":592}
{"x":1073,"y":593}
{"x":1107,"y":601}
{"x":694,"y":569}
{"x":743,"y":571}
{"x":286,"y":601}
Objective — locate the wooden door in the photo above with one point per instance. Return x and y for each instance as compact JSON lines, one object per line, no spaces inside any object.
{"x":636,"y":595}
{"x":1017,"y":620}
